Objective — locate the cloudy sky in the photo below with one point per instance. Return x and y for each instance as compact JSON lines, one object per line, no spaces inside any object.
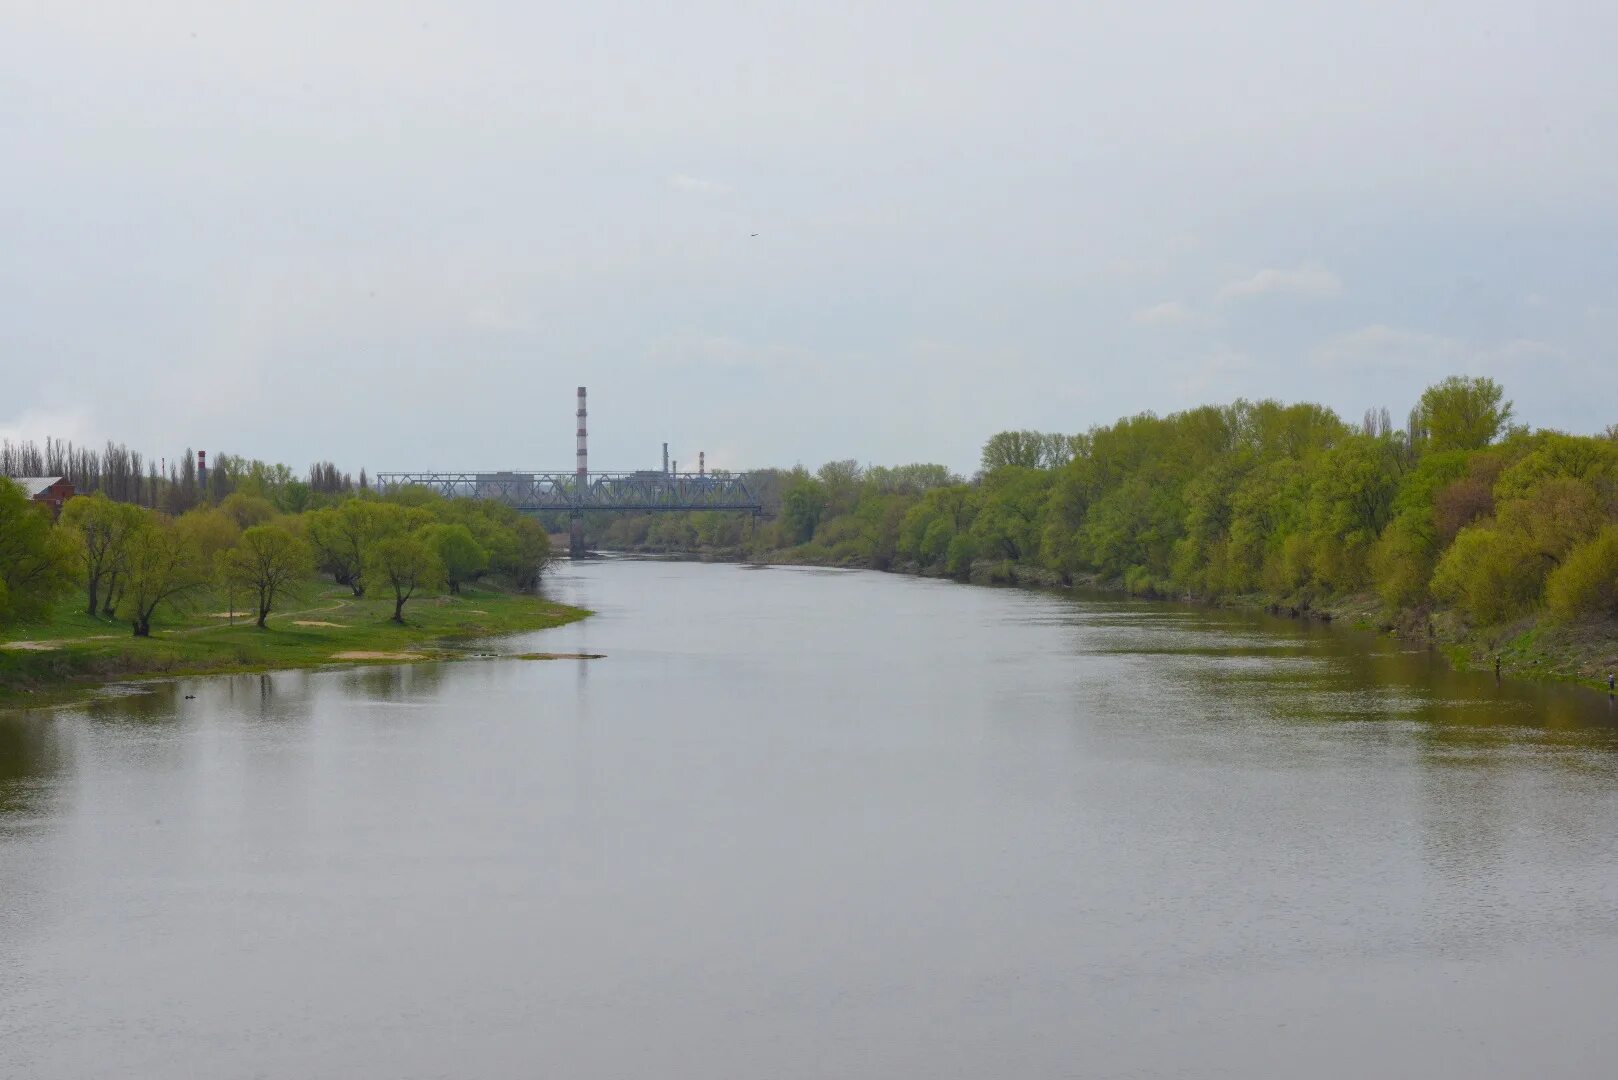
{"x":398,"y":234}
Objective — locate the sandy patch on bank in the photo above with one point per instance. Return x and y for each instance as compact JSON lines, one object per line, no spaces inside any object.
{"x":366,"y":654}
{"x":316,"y":622}
{"x":57,"y":643}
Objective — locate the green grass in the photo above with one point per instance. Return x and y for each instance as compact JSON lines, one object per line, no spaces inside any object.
{"x":83,"y":651}
{"x":1580,"y":652}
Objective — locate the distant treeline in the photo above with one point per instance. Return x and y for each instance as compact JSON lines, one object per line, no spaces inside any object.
{"x":125,"y":475}
{"x":1458,"y":508}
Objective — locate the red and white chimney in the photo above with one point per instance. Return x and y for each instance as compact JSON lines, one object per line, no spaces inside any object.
{"x":583,"y":463}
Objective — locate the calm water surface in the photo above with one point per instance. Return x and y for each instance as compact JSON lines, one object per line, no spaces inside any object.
{"x":821,"y":824}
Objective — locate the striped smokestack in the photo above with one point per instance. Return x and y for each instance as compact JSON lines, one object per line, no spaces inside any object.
{"x":702,"y":463}
{"x":202,"y":472}
{"x":584,"y":450}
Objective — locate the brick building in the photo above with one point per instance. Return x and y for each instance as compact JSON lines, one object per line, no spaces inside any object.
{"x":53,"y":491}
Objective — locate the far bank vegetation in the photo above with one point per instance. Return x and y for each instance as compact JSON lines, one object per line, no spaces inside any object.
{"x":1456,"y":516}
{"x":260,"y":543}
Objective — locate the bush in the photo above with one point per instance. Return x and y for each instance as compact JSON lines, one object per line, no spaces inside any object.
{"x":1490,"y":574}
{"x":1586,"y":584}
{"x":1139,"y":581}
{"x":958,"y":561}
{"x":1401,"y":565}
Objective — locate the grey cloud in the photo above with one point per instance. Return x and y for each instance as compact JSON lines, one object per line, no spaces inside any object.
{"x":1310,"y":280}
{"x":1165,"y":314}
{"x":1394,"y":348}
{"x":696,"y":185}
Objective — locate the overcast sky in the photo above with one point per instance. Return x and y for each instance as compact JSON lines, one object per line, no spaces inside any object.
{"x":398,"y":234}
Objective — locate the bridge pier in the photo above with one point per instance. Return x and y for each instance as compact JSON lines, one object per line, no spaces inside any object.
{"x":575,"y":535}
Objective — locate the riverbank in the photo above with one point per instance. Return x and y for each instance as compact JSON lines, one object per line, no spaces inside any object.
{"x":71,"y":653}
{"x":1533,"y":648}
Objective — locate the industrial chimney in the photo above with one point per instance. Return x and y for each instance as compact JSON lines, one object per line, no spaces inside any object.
{"x":702,"y":463}
{"x":584,"y":451}
{"x":575,"y":544}
{"x":665,"y":459}
{"x":202,"y":472}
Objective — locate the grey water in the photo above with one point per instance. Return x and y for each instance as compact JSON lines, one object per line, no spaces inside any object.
{"x":804,"y":823}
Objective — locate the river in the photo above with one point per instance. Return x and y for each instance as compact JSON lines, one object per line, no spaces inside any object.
{"x":811,"y":823}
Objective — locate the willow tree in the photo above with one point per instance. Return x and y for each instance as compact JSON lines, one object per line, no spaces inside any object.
{"x":100,"y":530}
{"x":407,"y":565}
{"x":463,"y":558}
{"x":267,"y":562}
{"x":162,"y":565}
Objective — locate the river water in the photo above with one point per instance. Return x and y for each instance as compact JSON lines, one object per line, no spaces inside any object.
{"x":805,"y":823}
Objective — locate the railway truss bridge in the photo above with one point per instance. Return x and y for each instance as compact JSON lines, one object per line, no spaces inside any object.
{"x":577,"y":494}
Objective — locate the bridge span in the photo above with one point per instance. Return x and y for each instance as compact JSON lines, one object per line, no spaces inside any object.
{"x":538,"y":492}
{"x":542,"y":492}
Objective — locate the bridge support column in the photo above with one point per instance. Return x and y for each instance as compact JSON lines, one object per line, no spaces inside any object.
{"x":575,"y":536}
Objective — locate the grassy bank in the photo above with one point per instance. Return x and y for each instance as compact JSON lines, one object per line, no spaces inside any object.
{"x":62,"y":656}
{"x":1583,"y":652}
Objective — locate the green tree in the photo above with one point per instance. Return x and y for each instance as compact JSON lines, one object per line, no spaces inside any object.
{"x":1554,"y":455}
{"x":1490,"y":574}
{"x":162,"y":566}
{"x":462,"y":557}
{"x":840,"y":482}
{"x":930,"y":526}
{"x":1401,"y":564}
{"x":36,"y":561}
{"x":267,"y":562}
{"x":1025,"y":449}
{"x":1352,"y":488}
{"x":1553,"y":517}
{"x":1202,"y":556}
{"x":801,"y":507}
{"x":1008,"y":522}
{"x":909,"y":479}
{"x":1463,"y":413}
{"x":247,"y":510}
{"x":528,"y":556}
{"x":210,"y":530}
{"x":1403,"y":557}
{"x":295,"y":497}
{"x":342,"y":537}
{"x":1266,"y":508}
{"x":100,"y":530}
{"x":960,"y":556}
{"x":406,"y":565}
{"x":1586,"y":584}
